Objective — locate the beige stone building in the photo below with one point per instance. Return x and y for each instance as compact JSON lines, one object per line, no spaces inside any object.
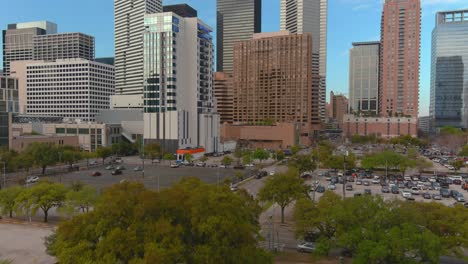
{"x":20,"y":143}
{"x":223,"y":93}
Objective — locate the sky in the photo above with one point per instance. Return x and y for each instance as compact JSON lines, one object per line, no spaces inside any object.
{"x":348,"y":21}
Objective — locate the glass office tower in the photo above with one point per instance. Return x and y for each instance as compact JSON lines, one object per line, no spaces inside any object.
{"x":449,"y":76}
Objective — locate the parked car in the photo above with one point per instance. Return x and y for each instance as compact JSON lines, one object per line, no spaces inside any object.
{"x":385,"y":189}
{"x":459,"y":198}
{"x":366,"y":183}
{"x":444,"y":193}
{"x":110,"y":167}
{"x":457,"y":182}
{"x":239,"y":167}
{"x":92,"y":163}
{"x":426,"y":195}
{"x":139,"y":168}
{"x":349,"y":187}
{"x":120,"y":167}
{"x":175,"y":165}
{"x":405,"y":194}
{"x":201,"y":164}
{"x":250,"y":165}
{"x":367,"y":191}
{"x":395,"y":190}
{"x":415,"y":191}
{"x":308,"y":247}
{"x":116,"y":172}
{"x":332,"y":187}
{"x":32,"y":179}
{"x":436,"y":196}
{"x":233,"y":188}
{"x":320,"y":189}
{"x":261,"y":174}
{"x":401,"y":185}
{"x":375,"y":181}
{"x":96,"y":174}
{"x":358,"y":182}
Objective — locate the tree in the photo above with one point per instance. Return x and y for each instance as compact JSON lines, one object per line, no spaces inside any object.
{"x":450,"y":138}
{"x":81,"y":199}
{"x":191,"y":222}
{"x":458,"y":164}
{"x":168,"y":156}
{"x":246,"y":159}
{"x":43,"y":196}
{"x":227,"y":160}
{"x":43,"y":154}
{"x":8,"y":199}
{"x":464,"y":151}
{"x":261,"y":154}
{"x":303,"y":163}
{"x":103,"y":153}
{"x":378,"y":231}
{"x":188,"y":157}
{"x":282,"y":189}
{"x":337,"y":162}
{"x":71,"y":156}
{"x":280,"y":155}
{"x":295,"y":149}
{"x":24,"y":161}
{"x":152,"y":151}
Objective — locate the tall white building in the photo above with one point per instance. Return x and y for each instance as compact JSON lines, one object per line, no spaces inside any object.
{"x":310,"y":16}
{"x":178,"y":70}
{"x":76,"y":89}
{"x":128,"y":38}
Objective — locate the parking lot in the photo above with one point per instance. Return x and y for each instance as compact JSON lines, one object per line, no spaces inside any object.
{"x":154,"y":176}
{"x":376,"y":188}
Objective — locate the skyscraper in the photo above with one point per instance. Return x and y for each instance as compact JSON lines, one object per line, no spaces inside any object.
{"x":236,"y":20}
{"x":272,"y":81}
{"x":52,"y":47}
{"x":310,"y":16}
{"x":400,"y":44}
{"x":178,"y":79}
{"x":449,"y":76}
{"x":128,"y":37}
{"x":18,"y":44}
{"x":223,"y":95}
{"x":364,"y":70}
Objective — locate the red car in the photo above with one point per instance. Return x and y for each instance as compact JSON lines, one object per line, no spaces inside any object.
{"x":96,"y":174}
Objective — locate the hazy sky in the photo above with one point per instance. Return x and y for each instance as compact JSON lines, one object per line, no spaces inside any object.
{"x":348,"y":21}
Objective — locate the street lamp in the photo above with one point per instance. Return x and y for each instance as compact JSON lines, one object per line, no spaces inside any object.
{"x":344,"y":174}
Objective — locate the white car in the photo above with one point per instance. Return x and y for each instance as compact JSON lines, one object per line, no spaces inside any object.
{"x":92,"y":163}
{"x":407,"y":178}
{"x":415,"y":190}
{"x":272,"y":173}
{"x":306,"y":247}
{"x":375,"y":181}
{"x":406,"y":194}
{"x":222,"y":166}
{"x":249,"y":165}
{"x":456,"y":178}
{"x":32,"y":179}
{"x":332,"y":187}
{"x":233,"y":188}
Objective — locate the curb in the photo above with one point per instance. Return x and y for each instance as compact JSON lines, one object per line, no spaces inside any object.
{"x":26,"y":223}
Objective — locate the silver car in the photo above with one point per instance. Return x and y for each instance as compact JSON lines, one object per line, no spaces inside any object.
{"x":332,"y":187}
{"x":308,"y":247}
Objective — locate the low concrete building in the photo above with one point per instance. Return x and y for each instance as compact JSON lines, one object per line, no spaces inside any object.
{"x":278,"y":136}
{"x":90,"y":135}
{"x":131,"y":121}
{"x":387,"y":127}
{"x":20,"y":143}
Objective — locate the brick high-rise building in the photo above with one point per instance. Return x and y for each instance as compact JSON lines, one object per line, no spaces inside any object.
{"x":400,"y":40}
{"x":273,"y":82}
{"x":338,"y":107}
{"x":223,"y":95}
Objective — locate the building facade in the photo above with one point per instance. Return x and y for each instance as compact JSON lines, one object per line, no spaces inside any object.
{"x":386,"y":127}
{"x":52,"y":47}
{"x":338,"y":107}
{"x":128,"y":40}
{"x":224,"y":96}
{"x":17,"y":39}
{"x":364,"y":68}
{"x":449,"y":76}
{"x":310,"y":16}
{"x":75,"y":89}
{"x":273,"y":81}
{"x":400,"y":48}
{"x":178,"y":94}
{"x":8,"y":105}
{"x":237,"y":20}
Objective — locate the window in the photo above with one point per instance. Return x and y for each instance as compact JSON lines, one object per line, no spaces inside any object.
{"x":71,"y":130}
{"x":83,"y":131}
{"x":59,"y":130}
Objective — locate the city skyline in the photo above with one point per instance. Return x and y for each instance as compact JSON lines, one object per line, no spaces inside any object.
{"x":340,"y":35}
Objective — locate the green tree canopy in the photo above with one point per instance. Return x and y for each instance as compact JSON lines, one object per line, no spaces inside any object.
{"x":280,"y":155}
{"x":169,"y":156}
{"x":303,"y":163}
{"x":191,"y":222}
{"x":283,"y":188}
{"x":80,"y":200}
{"x":378,"y":231}
{"x":338,"y":161}
{"x":8,"y":199}
{"x":227,"y":160}
{"x":43,"y":154}
{"x":103,"y":153}
{"x":42,"y":196}
{"x":261,"y":154}
{"x":464,"y":151}
{"x":152,"y":151}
